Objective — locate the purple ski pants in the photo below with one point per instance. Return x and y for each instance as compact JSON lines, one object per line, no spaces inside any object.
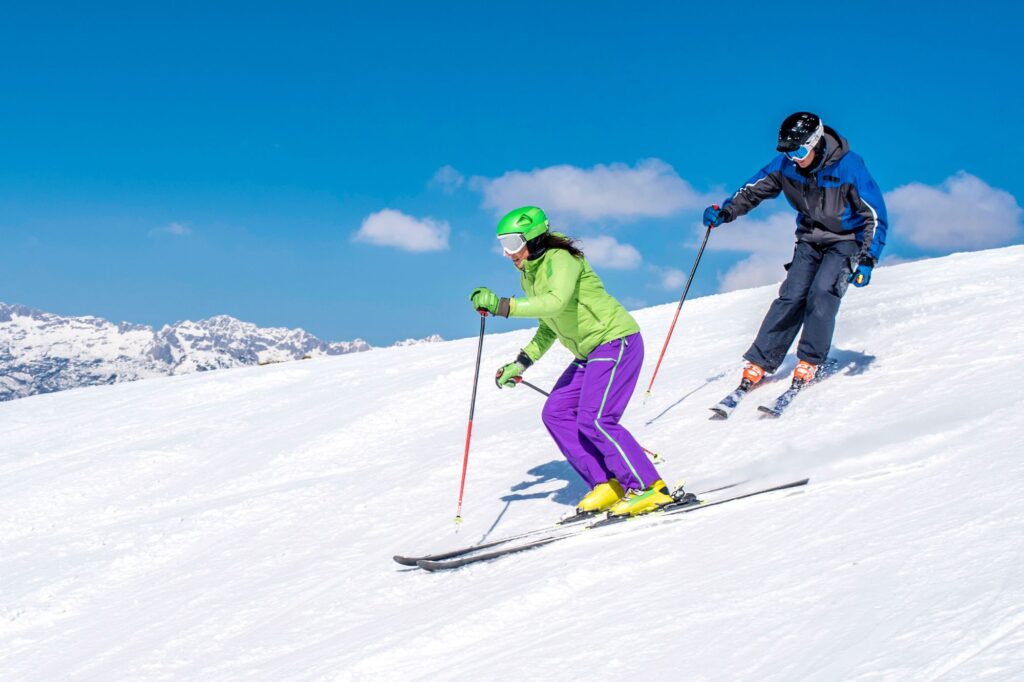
{"x":582,"y":414}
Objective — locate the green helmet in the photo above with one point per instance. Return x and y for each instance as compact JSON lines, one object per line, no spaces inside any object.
{"x":528,"y":221}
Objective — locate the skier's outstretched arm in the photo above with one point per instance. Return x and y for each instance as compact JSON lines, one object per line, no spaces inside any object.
{"x":766,"y":184}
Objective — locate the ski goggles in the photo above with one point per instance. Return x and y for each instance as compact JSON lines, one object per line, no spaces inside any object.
{"x":800,"y":153}
{"x":512,"y":243}
{"x":804,"y":150}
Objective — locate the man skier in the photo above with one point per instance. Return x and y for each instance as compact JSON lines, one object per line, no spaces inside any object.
{"x":841,"y":225}
{"x":583,"y":411}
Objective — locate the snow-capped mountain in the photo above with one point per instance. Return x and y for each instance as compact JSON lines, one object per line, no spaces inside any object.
{"x":222,"y":341}
{"x":433,"y":338}
{"x":42,"y":352}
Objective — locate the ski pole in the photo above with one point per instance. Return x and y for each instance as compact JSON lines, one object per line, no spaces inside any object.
{"x":678,"y":308}
{"x":655,"y":457}
{"x":472,"y":408}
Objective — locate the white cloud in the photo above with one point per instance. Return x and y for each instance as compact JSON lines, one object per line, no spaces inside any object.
{"x":616,"y":191}
{"x":670,"y":279}
{"x":605,"y":251}
{"x":448,"y":179}
{"x":963,"y":212}
{"x":754,"y":271}
{"x":176,"y":229}
{"x":769,"y":241}
{"x":774,"y":233}
{"x":393,"y":228}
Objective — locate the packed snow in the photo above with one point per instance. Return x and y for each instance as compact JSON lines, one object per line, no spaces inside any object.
{"x":240,"y":524}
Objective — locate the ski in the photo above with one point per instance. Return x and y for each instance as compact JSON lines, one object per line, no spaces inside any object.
{"x":414,"y":560}
{"x":677,"y":509}
{"x":685,"y":506}
{"x":726,"y":405}
{"x":782,"y":402}
{"x":432,"y":565}
{"x":779,"y":405}
{"x":577,"y":517}
{"x":550,"y":530}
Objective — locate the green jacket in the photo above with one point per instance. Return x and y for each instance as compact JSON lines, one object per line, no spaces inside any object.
{"x":572,"y":305}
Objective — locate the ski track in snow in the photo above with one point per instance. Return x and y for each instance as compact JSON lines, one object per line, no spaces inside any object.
{"x":240,"y":523}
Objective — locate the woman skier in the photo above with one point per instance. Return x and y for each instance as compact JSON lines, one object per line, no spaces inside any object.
{"x":583,"y":411}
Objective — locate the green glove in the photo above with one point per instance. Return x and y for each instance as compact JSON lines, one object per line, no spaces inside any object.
{"x":485,"y":299}
{"x":506,"y":376}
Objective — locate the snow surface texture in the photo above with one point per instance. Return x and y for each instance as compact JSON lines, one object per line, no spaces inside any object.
{"x":41,"y":352}
{"x":240,"y":525}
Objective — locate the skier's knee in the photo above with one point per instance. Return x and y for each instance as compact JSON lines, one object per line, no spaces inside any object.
{"x":586,"y":424}
{"x":551,"y":414}
{"x":591,"y":424}
{"x":821,"y":301}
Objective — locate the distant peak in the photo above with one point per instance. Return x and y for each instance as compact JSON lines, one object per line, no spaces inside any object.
{"x":52,"y":352}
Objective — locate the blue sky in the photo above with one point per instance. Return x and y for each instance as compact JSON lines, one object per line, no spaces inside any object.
{"x":173,"y":161}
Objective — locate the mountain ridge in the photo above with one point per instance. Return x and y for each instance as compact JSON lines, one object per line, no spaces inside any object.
{"x":43,"y":352}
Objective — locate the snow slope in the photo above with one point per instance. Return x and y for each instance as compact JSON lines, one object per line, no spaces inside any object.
{"x":240,"y":524}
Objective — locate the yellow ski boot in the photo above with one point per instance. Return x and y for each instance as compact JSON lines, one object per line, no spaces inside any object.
{"x":603,"y":496}
{"x":643,"y":501}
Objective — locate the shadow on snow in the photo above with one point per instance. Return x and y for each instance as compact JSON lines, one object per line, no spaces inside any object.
{"x":707,"y":382}
{"x":848,"y":362}
{"x":555,"y":470}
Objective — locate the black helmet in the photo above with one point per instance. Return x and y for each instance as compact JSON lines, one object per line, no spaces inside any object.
{"x":799,"y":129}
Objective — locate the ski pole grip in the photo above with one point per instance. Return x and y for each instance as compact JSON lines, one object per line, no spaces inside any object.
{"x":483,"y":312}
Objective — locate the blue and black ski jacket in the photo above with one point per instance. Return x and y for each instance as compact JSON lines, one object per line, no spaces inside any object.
{"x":836,"y":201}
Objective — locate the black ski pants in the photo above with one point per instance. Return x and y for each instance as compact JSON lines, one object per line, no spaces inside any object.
{"x":815,"y":283}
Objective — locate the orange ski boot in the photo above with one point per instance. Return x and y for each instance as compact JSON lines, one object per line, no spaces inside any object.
{"x":804,"y":372}
{"x":751,"y":375}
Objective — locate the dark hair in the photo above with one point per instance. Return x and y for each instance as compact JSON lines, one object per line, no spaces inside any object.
{"x":552,"y":240}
